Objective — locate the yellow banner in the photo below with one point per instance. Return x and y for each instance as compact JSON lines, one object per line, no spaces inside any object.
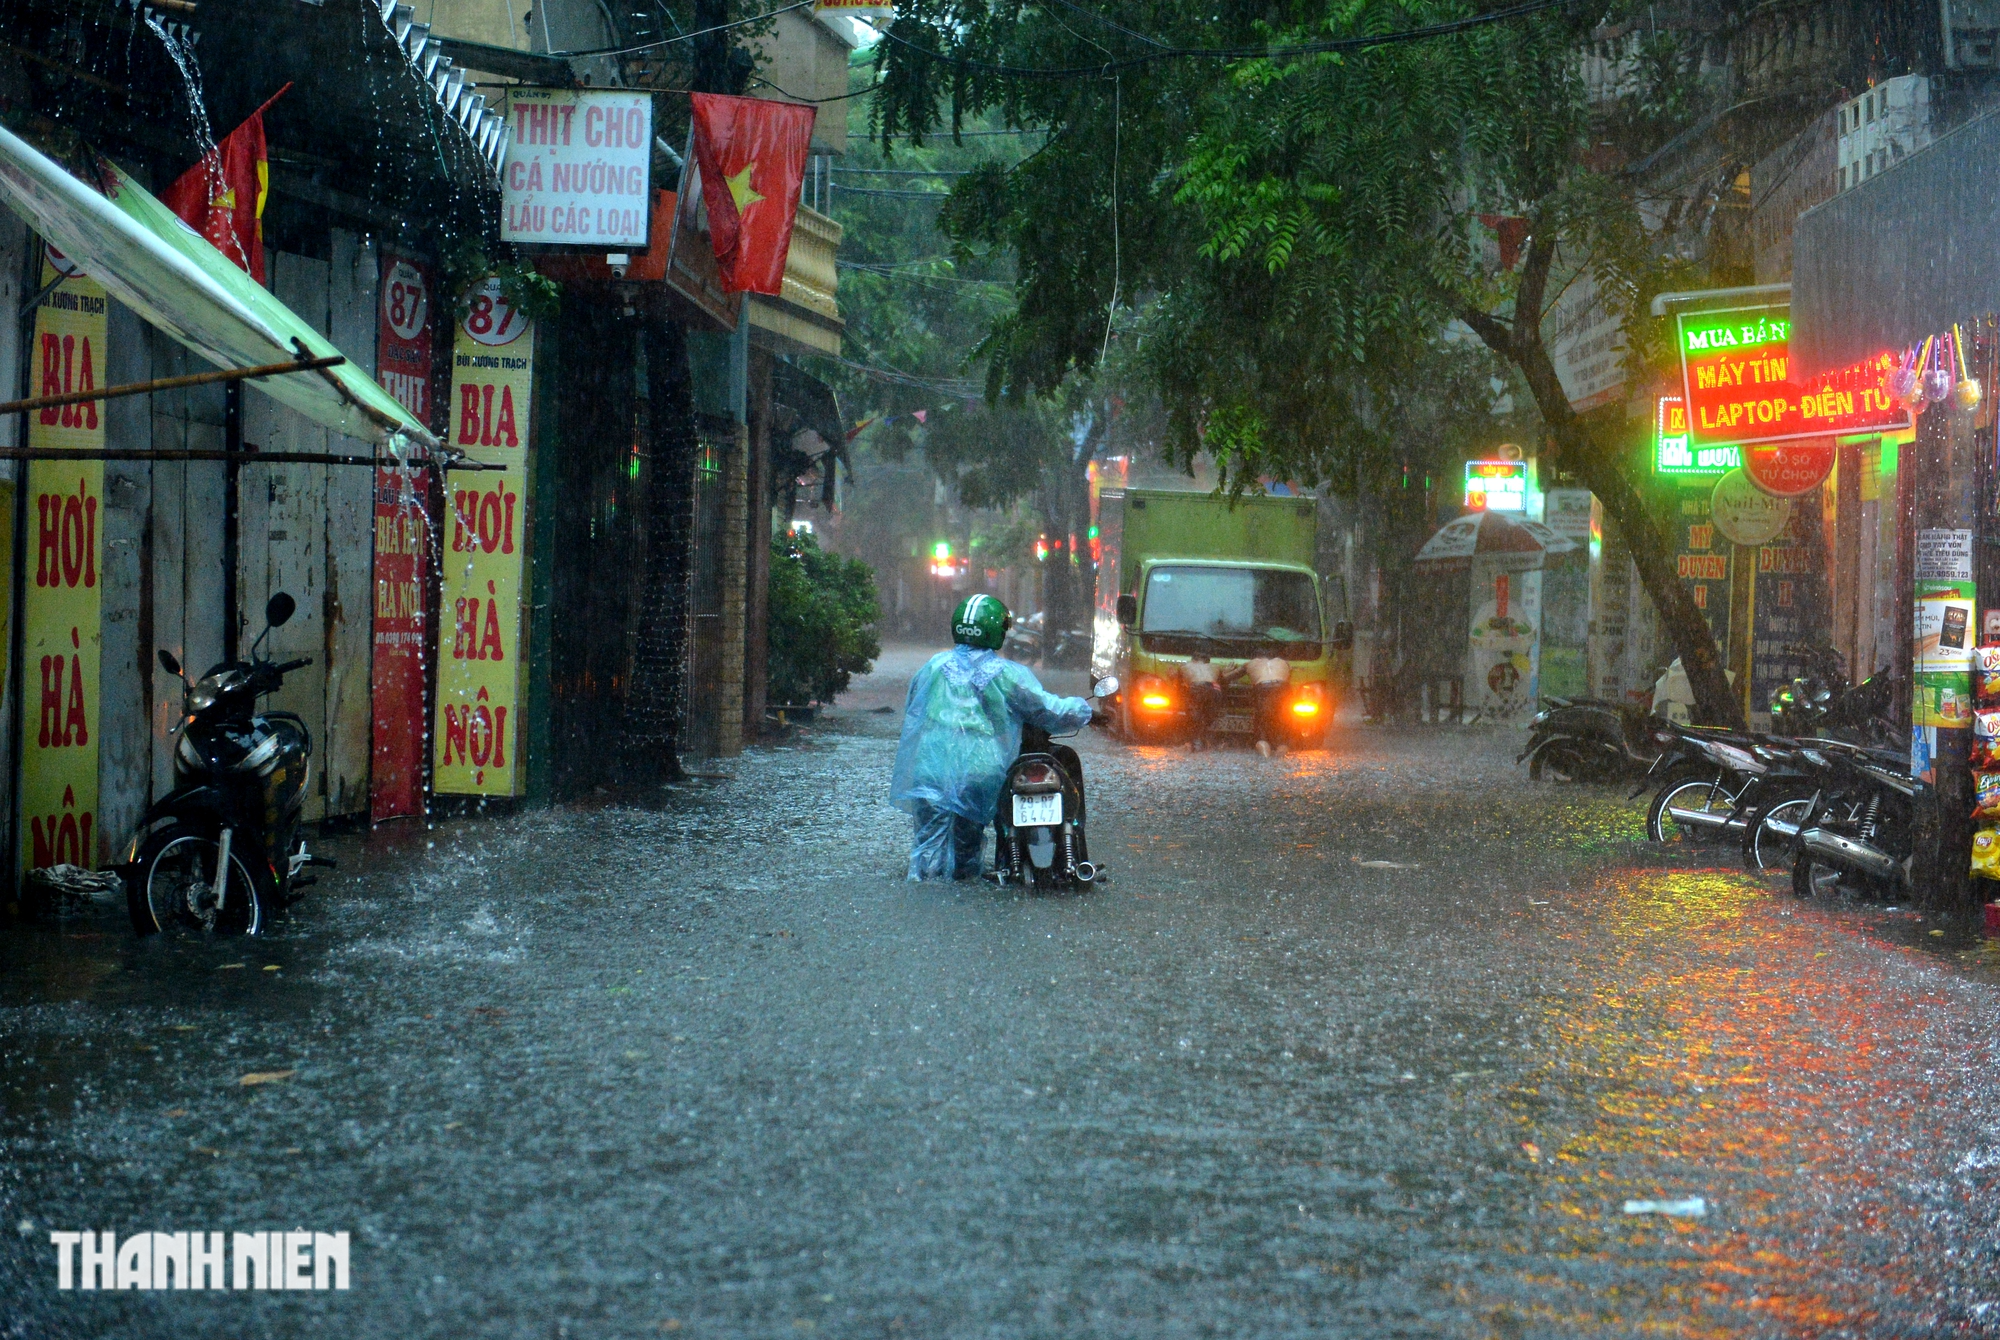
{"x":481,"y":643}
{"x":61,"y":634}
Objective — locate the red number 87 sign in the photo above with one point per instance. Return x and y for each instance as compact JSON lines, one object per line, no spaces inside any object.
{"x":491,"y":321}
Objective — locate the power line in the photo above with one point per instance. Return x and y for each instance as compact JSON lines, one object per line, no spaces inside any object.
{"x":682,"y":37}
{"x":838,"y":97}
{"x":1332,"y":44}
{"x":963,"y":390}
{"x":906,"y":195}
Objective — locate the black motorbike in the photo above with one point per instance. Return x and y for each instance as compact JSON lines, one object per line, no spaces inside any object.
{"x":1821,"y":703}
{"x":1858,"y":832}
{"x":1589,"y":740}
{"x":1719,"y":785}
{"x":1038,"y":824}
{"x":221,"y":853}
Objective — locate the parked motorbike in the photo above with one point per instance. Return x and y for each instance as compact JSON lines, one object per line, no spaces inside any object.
{"x":1859,"y":831}
{"x":1821,"y":703}
{"x":221,"y":853}
{"x":1589,"y":740}
{"x":1038,"y":823}
{"x":1716,"y":782}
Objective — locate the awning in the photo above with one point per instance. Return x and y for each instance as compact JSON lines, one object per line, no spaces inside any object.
{"x":171,"y":276}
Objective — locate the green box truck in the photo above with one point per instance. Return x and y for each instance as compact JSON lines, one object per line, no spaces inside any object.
{"x":1189,"y":574}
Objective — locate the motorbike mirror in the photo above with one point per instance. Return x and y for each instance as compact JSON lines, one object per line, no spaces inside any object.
{"x":169,"y":662}
{"x":280,"y":610}
{"x":1105,"y":687}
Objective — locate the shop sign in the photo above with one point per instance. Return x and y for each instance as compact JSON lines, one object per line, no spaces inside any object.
{"x":481,"y":671}
{"x":1745,"y":514}
{"x":579,"y":168}
{"x":1787,"y":469}
{"x":1735,"y":378}
{"x":61,"y":634}
{"x":403,"y":349}
{"x":1788,"y":602}
{"x":1497,"y":486}
{"x":1702,"y":564}
{"x":1567,"y":513}
{"x":1672,"y":452}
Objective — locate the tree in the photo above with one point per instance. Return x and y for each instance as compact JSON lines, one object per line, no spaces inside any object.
{"x":1036,"y":452}
{"x":823,"y":615}
{"x":1306,"y":224}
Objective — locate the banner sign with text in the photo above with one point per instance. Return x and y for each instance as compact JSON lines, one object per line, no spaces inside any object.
{"x":579,"y":168}
{"x":62,"y":603}
{"x":1735,"y":375}
{"x":480,"y":674}
{"x":403,"y":341}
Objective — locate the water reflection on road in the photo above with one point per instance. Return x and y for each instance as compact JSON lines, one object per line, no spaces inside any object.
{"x":1370,"y":1042}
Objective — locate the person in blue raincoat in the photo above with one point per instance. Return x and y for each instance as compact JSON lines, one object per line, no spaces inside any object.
{"x":961,"y":732}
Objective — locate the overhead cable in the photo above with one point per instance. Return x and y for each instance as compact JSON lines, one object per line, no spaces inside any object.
{"x":680,"y":37}
{"x":1331,"y":44}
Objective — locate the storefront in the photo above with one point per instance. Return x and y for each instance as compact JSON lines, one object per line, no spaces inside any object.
{"x":1904,"y":269}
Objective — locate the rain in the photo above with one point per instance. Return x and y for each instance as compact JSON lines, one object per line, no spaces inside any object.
{"x":733,"y":669}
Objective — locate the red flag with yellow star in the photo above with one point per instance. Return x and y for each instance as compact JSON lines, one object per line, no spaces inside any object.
{"x":752,"y":156}
{"x":222,"y":196}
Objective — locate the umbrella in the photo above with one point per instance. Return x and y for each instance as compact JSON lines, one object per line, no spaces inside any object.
{"x":1452,"y":548}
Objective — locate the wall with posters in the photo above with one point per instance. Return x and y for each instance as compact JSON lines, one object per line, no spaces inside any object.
{"x":481,"y":648}
{"x":1564,"y":670}
{"x":61,"y":620}
{"x":1945,"y":633}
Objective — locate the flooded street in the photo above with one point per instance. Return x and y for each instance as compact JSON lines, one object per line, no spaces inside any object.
{"x":1376,"y":1041}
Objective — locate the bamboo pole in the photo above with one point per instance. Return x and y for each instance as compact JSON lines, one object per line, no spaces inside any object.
{"x":240,"y":457}
{"x":170,"y":383}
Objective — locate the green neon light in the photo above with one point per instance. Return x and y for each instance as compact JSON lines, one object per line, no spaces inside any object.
{"x":1708,"y":333}
{"x":1673,"y":456}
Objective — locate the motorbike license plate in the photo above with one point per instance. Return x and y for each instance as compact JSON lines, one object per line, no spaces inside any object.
{"x":1233,"y":723}
{"x":1036,"y":811}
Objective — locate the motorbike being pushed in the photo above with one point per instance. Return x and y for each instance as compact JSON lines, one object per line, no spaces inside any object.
{"x":221,"y":854}
{"x":1038,"y":824}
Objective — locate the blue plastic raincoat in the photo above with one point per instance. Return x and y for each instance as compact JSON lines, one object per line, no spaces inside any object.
{"x":961,"y":732}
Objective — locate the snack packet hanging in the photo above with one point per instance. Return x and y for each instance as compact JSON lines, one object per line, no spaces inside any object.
{"x":1986,"y":675}
{"x":1986,"y":794}
{"x":1986,"y":853}
{"x":1986,"y":738}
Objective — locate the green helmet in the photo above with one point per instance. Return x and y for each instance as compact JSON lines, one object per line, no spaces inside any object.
{"x":981,"y":621}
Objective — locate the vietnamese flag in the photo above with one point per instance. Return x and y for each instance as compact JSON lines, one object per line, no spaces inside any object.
{"x":222,"y":196}
{"x":752,"y":156}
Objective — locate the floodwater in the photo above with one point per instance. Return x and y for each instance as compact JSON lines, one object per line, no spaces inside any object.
{"x":1370,"y":1042}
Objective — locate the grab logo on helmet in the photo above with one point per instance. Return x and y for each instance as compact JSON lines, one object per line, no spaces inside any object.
{"x":980,"y":621}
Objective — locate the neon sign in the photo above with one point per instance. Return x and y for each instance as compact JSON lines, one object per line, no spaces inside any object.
{"x":1736,"y":384}
{"x":1672,"y":452}
{"x":1497,"y":486}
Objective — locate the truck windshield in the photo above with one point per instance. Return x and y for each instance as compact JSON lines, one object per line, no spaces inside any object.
{"x":1231,"y":604}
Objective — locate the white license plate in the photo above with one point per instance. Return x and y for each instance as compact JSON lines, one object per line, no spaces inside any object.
{"x":1233,"y":723}
{"x":1034,"y":811}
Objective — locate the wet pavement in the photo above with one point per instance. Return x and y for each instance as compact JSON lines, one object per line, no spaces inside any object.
{"x":1370,"y":1042}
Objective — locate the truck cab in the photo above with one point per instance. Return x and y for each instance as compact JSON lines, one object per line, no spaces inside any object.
{"x":1186,"y":575}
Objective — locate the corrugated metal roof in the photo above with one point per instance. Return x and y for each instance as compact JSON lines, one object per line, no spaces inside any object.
{"x":1901,"y":256}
